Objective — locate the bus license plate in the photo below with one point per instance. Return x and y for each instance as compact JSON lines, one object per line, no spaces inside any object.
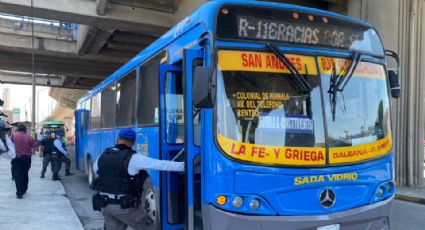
{"x":329,"y":227}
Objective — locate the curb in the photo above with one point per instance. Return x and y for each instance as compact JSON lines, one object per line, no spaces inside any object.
{"x":413,"y":199}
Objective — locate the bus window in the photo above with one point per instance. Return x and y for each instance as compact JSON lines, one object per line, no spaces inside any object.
{"x":125,"y":100}
{"x":83,"y":104}
{"x":197,"y":113}
{"x":148,"y":108}
{"x":95,"y":112}
{"x":108,"y":108}
{"x":174,"y":108}
{"x":87,"y":104}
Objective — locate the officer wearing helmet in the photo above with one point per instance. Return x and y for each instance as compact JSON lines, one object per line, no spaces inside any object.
{"x":62,"y":156}
{"x":119,"y":183}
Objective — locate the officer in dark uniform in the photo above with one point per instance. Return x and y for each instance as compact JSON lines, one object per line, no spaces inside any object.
{"x":45,"y":151}
{"x":119,"y":183}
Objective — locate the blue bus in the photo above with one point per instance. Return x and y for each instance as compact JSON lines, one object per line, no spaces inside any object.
{"x":281,"y":114}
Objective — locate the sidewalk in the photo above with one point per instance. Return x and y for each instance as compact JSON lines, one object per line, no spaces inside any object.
{"x":44,"y":206}
{"x":412,"y":194}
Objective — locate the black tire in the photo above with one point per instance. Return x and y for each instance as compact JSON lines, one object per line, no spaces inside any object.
{"x":90,"y":173}
{"x":150,"y":204}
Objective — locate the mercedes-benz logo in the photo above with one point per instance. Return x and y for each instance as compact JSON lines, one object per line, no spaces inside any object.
{"x":327,"y":198}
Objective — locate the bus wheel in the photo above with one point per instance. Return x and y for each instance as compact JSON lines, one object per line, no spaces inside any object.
{"x":149,"y":204}
{"x":90,"y":173}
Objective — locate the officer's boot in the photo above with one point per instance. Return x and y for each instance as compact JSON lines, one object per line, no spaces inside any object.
{"x":68,"y":173}
{"x":55,"y":176}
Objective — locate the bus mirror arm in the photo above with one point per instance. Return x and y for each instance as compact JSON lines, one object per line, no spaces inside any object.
{"x":203,"y":88}
{"x":393,"y":75}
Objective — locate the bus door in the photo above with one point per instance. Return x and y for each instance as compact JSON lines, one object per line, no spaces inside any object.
{"x":172,"y":200}
{"x":192,"y":58}
{"x":82,"y":119}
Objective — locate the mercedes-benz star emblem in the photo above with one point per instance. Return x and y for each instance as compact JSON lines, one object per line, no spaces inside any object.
{"x":327,"y":198}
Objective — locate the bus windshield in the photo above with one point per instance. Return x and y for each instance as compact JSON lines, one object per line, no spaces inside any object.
{"x":361,"y":113}
{"x":259,"y":105}
{"x":262,"y":118}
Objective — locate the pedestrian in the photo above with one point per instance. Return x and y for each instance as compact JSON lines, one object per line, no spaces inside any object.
{"x":40,"y":136}
{"x":62,"y":156}
{"x":8,"y":131}
{"x":120,"y":185}
{"x":24,"y":146}
{"x":7,"y":148}
{"x":45,"y":151}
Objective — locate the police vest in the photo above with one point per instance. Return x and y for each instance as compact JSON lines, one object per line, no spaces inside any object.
{"x":113,"y":172}
{"x":48,"y":146}
{"x":56,"y":150}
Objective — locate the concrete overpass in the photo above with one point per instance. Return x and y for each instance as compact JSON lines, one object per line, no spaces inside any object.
{"x":106,"y":34}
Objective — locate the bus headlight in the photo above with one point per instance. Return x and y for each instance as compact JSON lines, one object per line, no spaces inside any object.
{"x":237,"y":202}
{"x":243,"y":203}
{"x":389,"y":186}
{"x":384,"y":191}
{"x":380,"y":192}
{"x":254,"y":204}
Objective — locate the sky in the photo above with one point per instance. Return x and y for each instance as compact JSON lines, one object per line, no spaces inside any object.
{"x":20,"y":97}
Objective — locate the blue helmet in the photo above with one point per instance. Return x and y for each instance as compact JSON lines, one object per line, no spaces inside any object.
{"x":127,"y":134}
{"x":59,"y":133}
{"x":47,"y":132}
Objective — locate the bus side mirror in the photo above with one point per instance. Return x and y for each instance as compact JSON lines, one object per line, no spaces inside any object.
{"x":393,"y":79}
{"x":202,"y":87}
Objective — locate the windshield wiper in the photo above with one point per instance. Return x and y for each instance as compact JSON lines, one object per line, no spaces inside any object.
{"x":299,"y":81}
{"x":338,"y":82}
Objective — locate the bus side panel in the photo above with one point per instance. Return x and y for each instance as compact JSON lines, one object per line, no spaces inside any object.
{"x":78,"y":139}
{"x":108,"y":139}
{"x":81,"y":124}
{"x":147,"y":143}
{"x":93,"y":144}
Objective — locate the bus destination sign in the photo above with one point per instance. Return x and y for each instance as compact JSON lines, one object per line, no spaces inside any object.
{"x":256,"y":28}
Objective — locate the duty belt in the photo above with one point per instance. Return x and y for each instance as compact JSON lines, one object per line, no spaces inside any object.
{"x":112,"y":196}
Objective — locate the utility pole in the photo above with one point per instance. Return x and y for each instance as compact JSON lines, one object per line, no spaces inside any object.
{"x":33,"y":69}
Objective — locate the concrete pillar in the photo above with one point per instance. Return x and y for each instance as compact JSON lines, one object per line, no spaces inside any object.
{"x":401,"y":26}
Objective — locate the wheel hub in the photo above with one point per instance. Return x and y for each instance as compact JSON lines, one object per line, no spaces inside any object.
{"x":150,"y":204}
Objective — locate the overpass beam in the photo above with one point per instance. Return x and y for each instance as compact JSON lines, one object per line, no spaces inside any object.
{"x":47,"y":44}
{"x":26,"y":79}
{"x":120,"y":17}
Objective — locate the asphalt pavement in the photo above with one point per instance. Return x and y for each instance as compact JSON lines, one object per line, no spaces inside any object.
{"x":406,"y":215}
{"x":80,"y":195}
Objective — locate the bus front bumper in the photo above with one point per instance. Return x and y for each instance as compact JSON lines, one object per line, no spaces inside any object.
{"x":370,"y":217}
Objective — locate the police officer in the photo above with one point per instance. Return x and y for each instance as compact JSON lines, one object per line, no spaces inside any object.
{"x":45,"y":151}
{"x":119,"y":183}
{"x":62,"y":156}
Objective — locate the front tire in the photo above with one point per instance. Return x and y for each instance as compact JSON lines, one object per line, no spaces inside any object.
{"x":90,"y":173}
{"x":150,"y":204}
